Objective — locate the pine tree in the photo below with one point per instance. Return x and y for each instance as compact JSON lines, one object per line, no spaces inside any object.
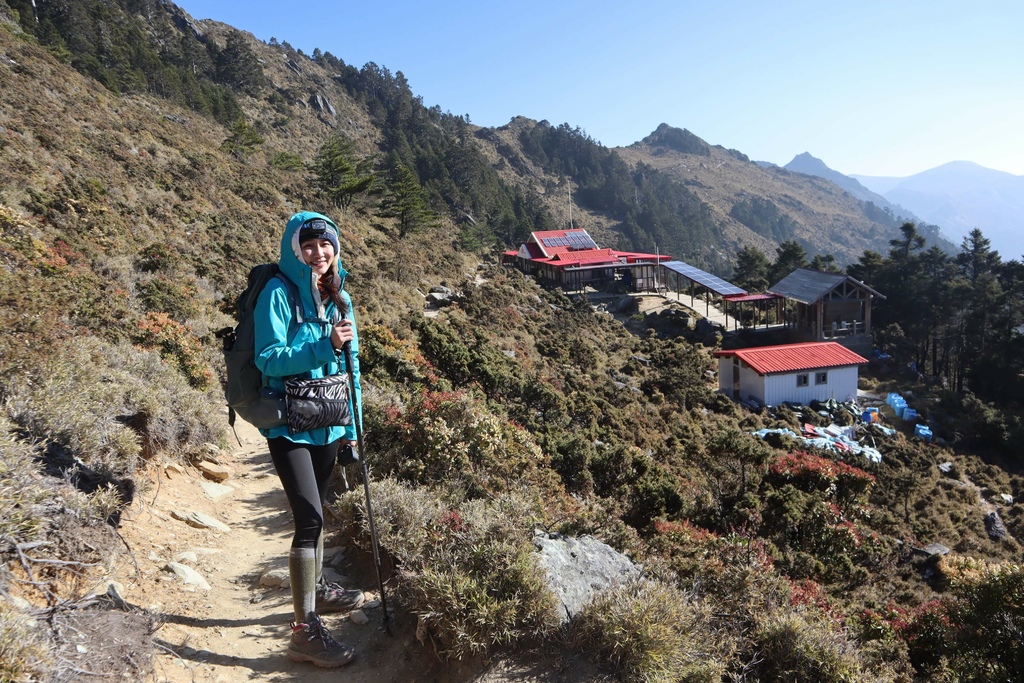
{"x":405,"y":200}
{"x":752,"y":269}
{"x":788,"y":257}
{"x":338,"y":174}
{"x":238,"y":67}
{"x":244,"y":139}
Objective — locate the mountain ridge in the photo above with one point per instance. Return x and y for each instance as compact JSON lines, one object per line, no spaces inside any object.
{"x":961,"y":196}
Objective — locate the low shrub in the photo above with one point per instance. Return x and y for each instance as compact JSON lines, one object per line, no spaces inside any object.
{"x":976,"y":628}
{"x":467,"y":570}
{"x":24,"y":654}
{"x":105,"y":405}
{"x":451,"y":438}
{"x":44,"y":518}
{"x":802,"y":647}
{"x":651,"y":632}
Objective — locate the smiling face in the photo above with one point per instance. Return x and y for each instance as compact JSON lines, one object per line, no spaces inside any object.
{"x":318,"y":254}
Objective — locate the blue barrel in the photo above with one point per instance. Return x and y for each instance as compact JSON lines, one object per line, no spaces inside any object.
{"x":892,"y":397}
{"x":909,"y":414}
{"x":900,"y":407}
{"x":923,"y":432}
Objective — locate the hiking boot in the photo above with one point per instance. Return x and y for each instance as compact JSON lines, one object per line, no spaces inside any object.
{"x":313,"y":643}
{"x":330,"y":597}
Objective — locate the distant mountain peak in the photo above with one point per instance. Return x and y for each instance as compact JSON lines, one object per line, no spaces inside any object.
{"x":809,"y":164}
{"x":678,"y":139}
{"x":805,"y":162}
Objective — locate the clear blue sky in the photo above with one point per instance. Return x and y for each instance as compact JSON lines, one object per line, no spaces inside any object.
{"x":874,"y":87}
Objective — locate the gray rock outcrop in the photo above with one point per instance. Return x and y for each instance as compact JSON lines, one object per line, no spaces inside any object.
{"x":322,"y":104}
{"x":579,"y":568}
{"x":995,"y":527}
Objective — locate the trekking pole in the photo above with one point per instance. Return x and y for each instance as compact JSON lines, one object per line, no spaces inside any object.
{"x":366,"y":481}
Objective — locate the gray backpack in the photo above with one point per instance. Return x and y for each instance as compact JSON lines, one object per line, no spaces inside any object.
{"x":246,"y":392}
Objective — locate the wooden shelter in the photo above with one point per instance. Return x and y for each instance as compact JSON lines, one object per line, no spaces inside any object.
{"x":828,"y":306}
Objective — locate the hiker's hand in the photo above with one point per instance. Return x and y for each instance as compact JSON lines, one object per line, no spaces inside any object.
{"x":342,"y":333}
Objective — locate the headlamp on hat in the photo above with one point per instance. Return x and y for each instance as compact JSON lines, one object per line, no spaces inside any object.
{"x":319,"y":229}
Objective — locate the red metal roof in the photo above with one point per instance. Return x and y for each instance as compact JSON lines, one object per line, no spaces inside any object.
{"x":794,"y":357}
{"x":586,"y":256}
{"x":743,"y":298}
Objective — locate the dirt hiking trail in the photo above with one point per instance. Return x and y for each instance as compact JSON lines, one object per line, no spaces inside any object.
{"x":237,"y":630}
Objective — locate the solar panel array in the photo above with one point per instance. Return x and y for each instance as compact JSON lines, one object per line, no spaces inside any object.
{"x":573,"y":240}
{"x":712,"y":282}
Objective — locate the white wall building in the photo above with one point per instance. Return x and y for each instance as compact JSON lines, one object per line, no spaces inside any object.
{"x":798,"y":373}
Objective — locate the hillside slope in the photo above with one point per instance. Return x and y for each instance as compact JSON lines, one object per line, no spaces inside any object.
{"x":824,"y":218}
{"x":126,"y":227}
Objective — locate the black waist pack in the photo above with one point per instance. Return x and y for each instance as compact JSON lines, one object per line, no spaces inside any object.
{"x":317,"y":402}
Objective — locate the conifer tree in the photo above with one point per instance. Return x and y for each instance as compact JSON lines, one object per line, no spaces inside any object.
{"x":238,"y":67}
{"x":405,"y":199}
{"x":337,"y":172}
{"x":752,"y":269}
{"x":788,"y":257}
{"x":244,"y":139}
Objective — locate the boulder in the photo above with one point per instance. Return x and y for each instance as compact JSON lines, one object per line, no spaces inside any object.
{"x":995,"y":527}
{"x":935,"y":549}
{"x":322,"y":104}
{"x":172,"y":469}
{"x":199,"y":520}
{"x":276,"y":577}
{"x":214,"y":490}
{"x":578,"y":568}
{"x":212,"y":470}
{"x":186,"y":556}
{"x":189,"y":576}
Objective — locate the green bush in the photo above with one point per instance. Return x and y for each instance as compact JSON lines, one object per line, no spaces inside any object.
{"x":450,"y":438}
{"x":977,"y":628}
{"x":286,"y":161}
{"x":176,"y":299}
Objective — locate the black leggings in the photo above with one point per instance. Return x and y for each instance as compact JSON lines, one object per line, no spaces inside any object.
{"x":304,"y":471}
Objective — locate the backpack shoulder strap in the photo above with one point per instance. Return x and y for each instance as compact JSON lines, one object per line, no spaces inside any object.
{"x":293,"y":296}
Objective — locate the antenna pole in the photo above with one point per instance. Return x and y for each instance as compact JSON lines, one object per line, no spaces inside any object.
{"x":570,"y":203}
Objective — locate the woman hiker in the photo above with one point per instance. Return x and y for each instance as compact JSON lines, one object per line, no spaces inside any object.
{"x":304,"y":461}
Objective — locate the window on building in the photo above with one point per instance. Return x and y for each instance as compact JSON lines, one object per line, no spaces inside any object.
{"x":801,"y":380}
{"x":821,"y":378}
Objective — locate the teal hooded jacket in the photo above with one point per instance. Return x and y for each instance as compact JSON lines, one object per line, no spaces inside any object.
{"x":285,"y":348}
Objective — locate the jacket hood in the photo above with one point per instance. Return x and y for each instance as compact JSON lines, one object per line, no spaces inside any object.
{"x":296,"y":270}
